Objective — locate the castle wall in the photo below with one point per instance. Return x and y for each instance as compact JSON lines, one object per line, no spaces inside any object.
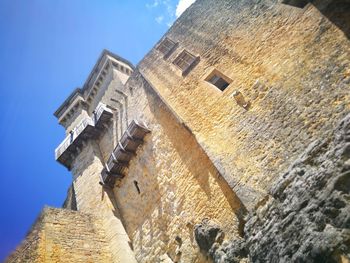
{"x":292,"y":65}
{"x":116,"y":98}
{"x":207,"y":156}
{"x":61,"y":235}
{"x":178,"y":184}
{"x":112,"y":94}
{"x":70,"y":202}
{"x":102,"y":90}
{"x":92,"y":198}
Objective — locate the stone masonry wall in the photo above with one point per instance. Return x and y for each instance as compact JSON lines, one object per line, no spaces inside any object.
{"x":207,"y":159}
{"x":61,"y":235}
{"x":291,"y":64}
{"x":179,"y":186}
{"x":70,"y":202}
{"x":92,"y":198}
{"x":116,"y":99}
{"x":306,"y":217}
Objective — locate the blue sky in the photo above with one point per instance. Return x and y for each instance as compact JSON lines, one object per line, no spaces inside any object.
{"x":47,"y":48}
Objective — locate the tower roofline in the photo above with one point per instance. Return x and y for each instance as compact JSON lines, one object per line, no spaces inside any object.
{"x":82,"y":91}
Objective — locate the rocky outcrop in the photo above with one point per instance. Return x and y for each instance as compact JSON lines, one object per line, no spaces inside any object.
{"x":306,"y":217}
{"x":208,"y":236}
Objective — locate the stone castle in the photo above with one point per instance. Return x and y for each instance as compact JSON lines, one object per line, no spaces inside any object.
{"x":228,"y":142}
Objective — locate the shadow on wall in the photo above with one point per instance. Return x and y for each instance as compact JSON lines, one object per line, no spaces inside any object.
{"x":148,"y":213}
{"x":336,"y":11}
{"x":191,"y":154}
{"x":109,"y":193}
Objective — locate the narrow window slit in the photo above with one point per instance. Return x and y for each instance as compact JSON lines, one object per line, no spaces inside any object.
{"x":137,"y":187}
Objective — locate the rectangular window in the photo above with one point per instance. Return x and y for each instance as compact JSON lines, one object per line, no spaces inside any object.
{"x":166,"y":47}
{"x":185,"y":61}
{"x":296,"y":3}
{"x":219,"y":80}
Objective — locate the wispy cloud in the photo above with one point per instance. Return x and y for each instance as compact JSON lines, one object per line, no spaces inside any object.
{"x":164,"y":9}
{"x":159,"y":19}
{"x":182,"y":6}
{"x":167,"y":11}
{"x":154,"y":4}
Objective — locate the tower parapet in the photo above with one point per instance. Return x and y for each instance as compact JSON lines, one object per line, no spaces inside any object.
{"x":84,"y":100}
{"x":83,"y":113}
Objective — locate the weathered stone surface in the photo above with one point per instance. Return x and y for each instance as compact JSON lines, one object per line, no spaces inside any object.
{"x":178,"y":184}
{"x":292,"y":64}
{"x":207,"y":234}
{"x":209,"y":156}
{"x":92,"y":198}
{"x":70,"y":202}
{"x":307,"y":216}
{"x":61,"y":235}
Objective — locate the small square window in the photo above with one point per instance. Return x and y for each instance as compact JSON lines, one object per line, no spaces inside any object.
{"x":166,"y":47}
{"x":185,"y":61}
{"x":219,"y":80}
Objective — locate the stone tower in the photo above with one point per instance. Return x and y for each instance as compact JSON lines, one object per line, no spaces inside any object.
{"x":132,"y":161}
{"x":93,"y":124}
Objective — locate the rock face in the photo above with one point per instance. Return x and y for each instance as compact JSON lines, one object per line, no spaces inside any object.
{"x":306,"y":217}
{"x":208,"y":235}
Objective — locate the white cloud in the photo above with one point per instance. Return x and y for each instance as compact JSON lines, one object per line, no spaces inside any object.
{"x":182,"y":6}
{"x":159,"y":19}
{"x":165,"y":11}
{"x":152,"y":5}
